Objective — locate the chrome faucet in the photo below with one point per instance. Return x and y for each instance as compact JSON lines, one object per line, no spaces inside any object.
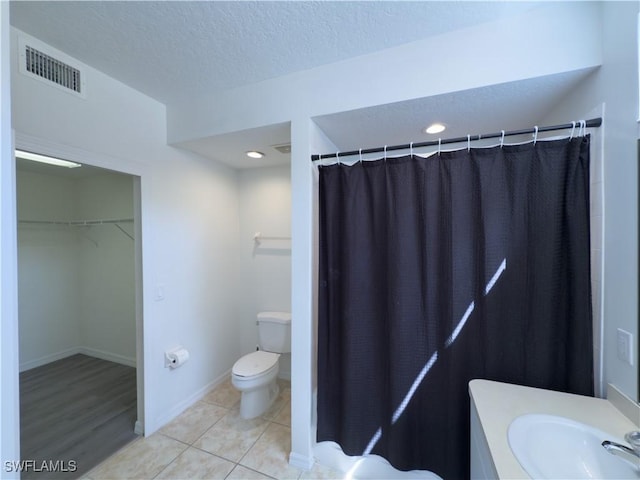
{"x":630,"y":454}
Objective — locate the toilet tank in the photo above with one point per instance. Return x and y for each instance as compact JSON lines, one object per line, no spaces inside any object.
{"x":274,"y":331}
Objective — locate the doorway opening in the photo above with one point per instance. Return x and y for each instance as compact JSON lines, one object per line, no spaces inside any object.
{"x":79,"y":304}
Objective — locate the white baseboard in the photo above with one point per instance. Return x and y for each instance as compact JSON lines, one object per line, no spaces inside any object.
{"x":301,"y":461}
{"x":177,"y":409}
{"x":138,"y":429}
{"x":111,"y":357}
{"x":38,"y":362}
{"x":92,"y":352}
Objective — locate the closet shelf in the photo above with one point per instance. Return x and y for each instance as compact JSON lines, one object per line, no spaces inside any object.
{"x":259,"y":237}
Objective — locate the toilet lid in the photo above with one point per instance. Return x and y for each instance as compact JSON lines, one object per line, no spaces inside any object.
{"x":255,"y":363}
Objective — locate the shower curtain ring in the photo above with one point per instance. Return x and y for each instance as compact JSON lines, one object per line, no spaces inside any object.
{"x":439,"y":146}
{"x":468,"y":143}
{"x":535,"y":134}
{"x":573,"y":129}
{"x":411,"y":149}
{"x":360,"y":152}
{"x":338,"y":157}
{"x":502,"y":139}
{"x":385,"y":153}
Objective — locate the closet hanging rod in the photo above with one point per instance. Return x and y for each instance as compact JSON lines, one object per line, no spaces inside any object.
{"x":591,"y":123}
{"x":100,"y":222}
{"x":76,"y":223}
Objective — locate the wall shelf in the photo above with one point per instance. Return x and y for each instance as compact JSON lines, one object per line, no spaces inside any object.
{"x":270,"y":242}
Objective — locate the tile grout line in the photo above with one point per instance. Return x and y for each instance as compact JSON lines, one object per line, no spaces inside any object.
{"x":236,"y":464}
{"x":253,"y":444}
{"x":177,"y":456}
{"x":252,"y":469}
{"x":270,"y":422}
{"x":212,"y":425}
{"x":191,"y":445}
{"x":215,"y":455}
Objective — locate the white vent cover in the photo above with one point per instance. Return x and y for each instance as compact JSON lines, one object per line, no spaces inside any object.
{"x":284,"y":148}
{"x":51,"y":67}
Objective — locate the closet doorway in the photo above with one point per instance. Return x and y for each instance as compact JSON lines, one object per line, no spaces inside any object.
{"x":78,"y":311}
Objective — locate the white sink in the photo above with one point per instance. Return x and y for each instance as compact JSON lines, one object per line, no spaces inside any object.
{"x":556,"y":447}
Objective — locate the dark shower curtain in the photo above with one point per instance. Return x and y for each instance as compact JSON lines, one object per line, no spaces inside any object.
{"x":435,"y":271}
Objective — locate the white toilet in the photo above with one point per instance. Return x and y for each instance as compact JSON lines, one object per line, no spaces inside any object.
{"x":255,"y":373}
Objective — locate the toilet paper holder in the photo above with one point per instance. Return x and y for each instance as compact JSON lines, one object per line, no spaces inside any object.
{"x":175,"y":357}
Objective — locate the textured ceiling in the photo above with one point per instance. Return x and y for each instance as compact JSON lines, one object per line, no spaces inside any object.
{"x":169,"y":50}
{"x":509,"y":106}
{"x":173,"y":50}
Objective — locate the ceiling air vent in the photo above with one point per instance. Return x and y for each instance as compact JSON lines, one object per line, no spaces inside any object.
{"x":284,"y":149}
{"x":51,"y":67}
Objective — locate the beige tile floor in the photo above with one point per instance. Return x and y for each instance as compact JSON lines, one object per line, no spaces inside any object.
{"x":211,"y":441}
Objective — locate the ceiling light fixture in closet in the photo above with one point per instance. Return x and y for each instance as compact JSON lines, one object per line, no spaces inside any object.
{"x":48,"y":160}
{"x":255,"y":154}
{"x":435,"y":128}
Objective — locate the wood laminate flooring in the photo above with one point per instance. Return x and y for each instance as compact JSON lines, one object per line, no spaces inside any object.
{"x":79,"y":408}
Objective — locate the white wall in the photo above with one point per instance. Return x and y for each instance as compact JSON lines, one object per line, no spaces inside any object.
{"x":195,"y":236}
{"x":106,"y":256}
{"x":190,"y":226}
{"x":616,"y":85}
{"x":9,"y":404}
{"x":48,"y":270}
{"x":265,"y":267}
{"x":76,"y":285}
{"x":306,"y":139}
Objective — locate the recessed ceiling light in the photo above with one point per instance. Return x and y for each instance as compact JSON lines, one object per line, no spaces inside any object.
{"x":255,"y":154}
{"x":48,"y":160}
{"x":435,"y":128}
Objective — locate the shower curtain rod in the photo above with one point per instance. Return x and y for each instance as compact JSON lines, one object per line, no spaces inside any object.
{"x":593,"y":122}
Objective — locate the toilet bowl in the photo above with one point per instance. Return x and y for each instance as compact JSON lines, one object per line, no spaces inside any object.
{"x":254,"y":375}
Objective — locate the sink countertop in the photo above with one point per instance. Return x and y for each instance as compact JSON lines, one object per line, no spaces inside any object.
{"x":498,"y":404}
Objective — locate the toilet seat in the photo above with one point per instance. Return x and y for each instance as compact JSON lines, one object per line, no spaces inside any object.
{"x":255,"y":363}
